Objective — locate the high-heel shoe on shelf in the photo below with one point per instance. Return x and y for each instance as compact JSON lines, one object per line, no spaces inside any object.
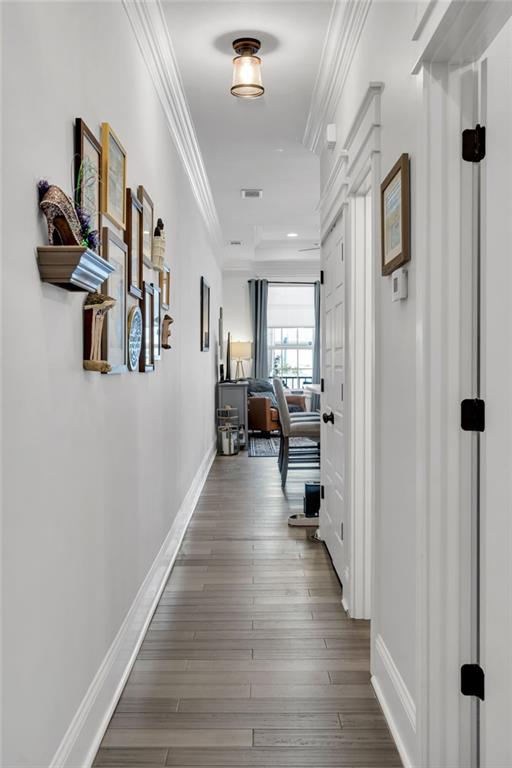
{"x":63,"y":224}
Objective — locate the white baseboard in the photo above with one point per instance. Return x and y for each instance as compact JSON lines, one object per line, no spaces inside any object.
{"x":403,"y":695}
{"x":83,"y":737}
{"x":397,"y":681}
{"x":404,"y":756}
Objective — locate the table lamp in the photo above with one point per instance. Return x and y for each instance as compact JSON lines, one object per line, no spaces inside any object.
{"x":240,"y":351}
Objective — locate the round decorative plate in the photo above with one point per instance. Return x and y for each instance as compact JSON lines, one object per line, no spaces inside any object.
{"x":134,"y":337}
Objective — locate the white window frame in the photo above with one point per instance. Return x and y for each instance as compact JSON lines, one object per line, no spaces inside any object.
{"x":273,"y":348}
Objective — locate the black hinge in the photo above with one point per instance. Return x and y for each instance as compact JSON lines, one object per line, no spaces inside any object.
{"x":473,"y":144}
{"x":322,"y":385}
{"x":322,"y":492}
{"x":321,"y":277}
{"x":472,"y":415}
{"x":472,"y":681}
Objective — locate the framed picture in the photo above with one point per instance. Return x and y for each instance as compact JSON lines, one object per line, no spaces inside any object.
{"x":165,"y":287}
{"x":205,"y":315}
{"x":114,"y":334}
{"x":134,"y":337}
{"x":157,"y":335}
{"x":88,"y":174}
{"x":147,"y":359}
{"x":133,"y":239}
{"x":395,"y":216}
{"x":147,"y":225}
{"x":113,"y":174}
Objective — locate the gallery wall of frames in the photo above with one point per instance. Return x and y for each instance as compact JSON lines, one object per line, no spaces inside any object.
{"x":107,"y":240}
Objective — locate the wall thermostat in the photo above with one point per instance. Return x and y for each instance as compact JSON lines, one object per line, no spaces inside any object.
{"x":399,"y":284}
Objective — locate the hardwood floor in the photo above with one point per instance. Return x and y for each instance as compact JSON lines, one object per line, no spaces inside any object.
{"x":250,"y":659}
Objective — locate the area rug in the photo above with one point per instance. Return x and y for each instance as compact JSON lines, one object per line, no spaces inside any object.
{"x":269,"y":446}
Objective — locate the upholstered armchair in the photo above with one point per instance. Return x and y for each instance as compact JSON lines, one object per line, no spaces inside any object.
{"x":264,"y":416}
{"x":262,"y":405}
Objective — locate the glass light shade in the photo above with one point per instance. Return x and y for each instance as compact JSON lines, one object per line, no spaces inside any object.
{"x":247,"y":77}
{"x":241,"y":350}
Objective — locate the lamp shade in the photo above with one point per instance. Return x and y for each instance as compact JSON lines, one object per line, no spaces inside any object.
{"x":247,"y":69}
{"x":241,"y":350}
{"x":247,"y":77}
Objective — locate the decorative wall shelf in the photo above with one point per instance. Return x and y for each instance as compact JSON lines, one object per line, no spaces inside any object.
{"x":72,"y":267}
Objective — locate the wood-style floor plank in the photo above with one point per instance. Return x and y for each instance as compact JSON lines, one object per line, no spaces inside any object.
{"x":249,"y":659}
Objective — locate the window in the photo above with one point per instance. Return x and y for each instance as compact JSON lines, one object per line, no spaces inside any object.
{"x":291,"y":333}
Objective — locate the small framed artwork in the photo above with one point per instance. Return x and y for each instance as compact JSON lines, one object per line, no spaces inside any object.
{"x":88,"y":174}
{"x":157,"y":335}
{"x":205,"y":315}
{"x":133,"y":239}
{"x":113,"y":188}
{"x":147,"y":224}
{"x":165,"y":287}
{"x":114,"y":335}
{"x":134,"y":337}
{"x":147,"y":359}
{"x":395,"y":216}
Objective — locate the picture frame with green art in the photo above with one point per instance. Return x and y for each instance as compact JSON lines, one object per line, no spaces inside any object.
{"x":396,"y":216}
{"x":88,"y":169}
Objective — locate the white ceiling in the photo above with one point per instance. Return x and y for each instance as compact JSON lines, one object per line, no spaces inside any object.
{"x":256,"y":144}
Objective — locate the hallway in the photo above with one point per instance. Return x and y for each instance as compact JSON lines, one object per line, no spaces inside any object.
{"x":250,"y":659}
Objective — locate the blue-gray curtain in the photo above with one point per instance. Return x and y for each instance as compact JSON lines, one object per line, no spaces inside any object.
{"x":315,"y":400}
{"x":258,"y":295}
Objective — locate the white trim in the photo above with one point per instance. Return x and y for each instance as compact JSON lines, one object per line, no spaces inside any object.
{"x":83,"y":737}
{"x":402,"y":751}
{"x":424,"y":17}
{"x":374,"y":89}
{"x":362,"y":251}
{"x":397,"y":681}
{"x":343,"y":33}
{"x":336,"y":188}
{"x":150,"y":28}
{"x":356,"y":171}
{"x":464,"y":30}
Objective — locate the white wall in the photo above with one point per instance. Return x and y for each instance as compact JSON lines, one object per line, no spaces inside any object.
{"x":95,"y":467}
{"x":385,"y":53}
{"x":237,"y":311}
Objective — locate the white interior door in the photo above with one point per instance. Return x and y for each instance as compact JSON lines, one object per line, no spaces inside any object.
{"x":333,"y":511}
{"x":496,"y":440}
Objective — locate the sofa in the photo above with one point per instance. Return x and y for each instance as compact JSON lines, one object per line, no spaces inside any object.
{"x":262,"y":405}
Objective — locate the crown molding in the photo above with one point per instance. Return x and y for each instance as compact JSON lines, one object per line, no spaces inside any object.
{"x":150,"y":28}
{"x":343,"y":32}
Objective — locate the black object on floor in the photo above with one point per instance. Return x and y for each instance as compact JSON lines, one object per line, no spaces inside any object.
{"x":312,"y":499}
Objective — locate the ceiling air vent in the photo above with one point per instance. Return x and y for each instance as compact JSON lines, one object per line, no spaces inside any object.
{"x":235,"y":242}
{"x":251,"y":193}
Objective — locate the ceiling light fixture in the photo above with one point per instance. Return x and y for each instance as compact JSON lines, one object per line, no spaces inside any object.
{"x":247,"y":69}
{"x":292,"y":234}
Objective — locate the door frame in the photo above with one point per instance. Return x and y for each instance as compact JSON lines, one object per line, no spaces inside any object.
{"x":355,"y":172}
{"x":445,"y":376}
